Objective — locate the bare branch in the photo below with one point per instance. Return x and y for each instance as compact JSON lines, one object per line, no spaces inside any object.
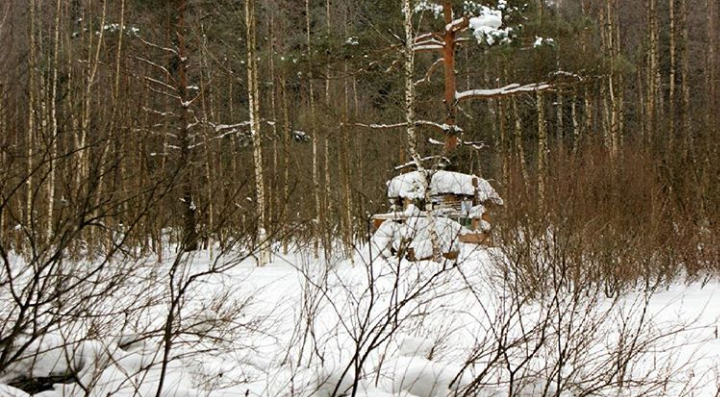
{"x":430,"y":71}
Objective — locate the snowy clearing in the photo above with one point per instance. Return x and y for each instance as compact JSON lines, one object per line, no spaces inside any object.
{"x":300,"y":328}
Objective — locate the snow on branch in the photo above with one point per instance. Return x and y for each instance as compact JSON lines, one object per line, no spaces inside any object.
{"x":428,"y":42}
{"x":428,"y":47}
{"x":419,"y":123}
{"x":458,"y":25}
{"x":454,"y":129}
{"x":229,"y":129}
{"x":565,"y":75}
{"x":477,"y":145}
{"x":153,"y":45}
{"x":507,"y":90}
{"x":223,"y":127}
{"x":381,"y":126}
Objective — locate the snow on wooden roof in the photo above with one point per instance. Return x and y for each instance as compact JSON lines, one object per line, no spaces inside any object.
{"x":412,"y":185}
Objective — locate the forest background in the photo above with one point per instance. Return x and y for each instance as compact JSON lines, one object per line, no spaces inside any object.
{"x":126,"y":125}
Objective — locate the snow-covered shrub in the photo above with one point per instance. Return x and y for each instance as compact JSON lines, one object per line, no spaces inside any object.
{"x":423,"y":236}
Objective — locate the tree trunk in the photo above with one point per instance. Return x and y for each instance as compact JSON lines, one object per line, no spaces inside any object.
{"x":589,"y":112}
{"x":208,"y":109}
{"x":346,"y":150}
{"x":614,"y":52}
{"x":517,"y":137}
{"x":711,"y":77}
{"x":409,"y":69}
{"x":653,"y":71}
{"x":286,"y":152}
{"x":190,"y":234}
{"x":671,"y":77}
{"x":542,"y":148}
{"x":254,"y":104}
{"x":575,"y":124}
{"x":274,"y":198}
{"x":451,"y":140}
{"x":319,"y":214}
{"x":54,"y":123}
{"x":685,"y":80}
{"x":31,"y":118}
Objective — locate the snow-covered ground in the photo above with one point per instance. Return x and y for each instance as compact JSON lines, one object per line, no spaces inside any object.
{"x":308,"y":327}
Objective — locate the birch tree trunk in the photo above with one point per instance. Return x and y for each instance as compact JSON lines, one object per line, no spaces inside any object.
{"x":319,"y":217}
{"x":518,"y":143}
{"x":613,"y":51}
{"x":254,"y":105}
{"x":286,"y":150}
{"x":274,"y":198}
{"x":542,"y":147}
{"x":29,"y":141}
{"x":409,"y":69}
{"x":190,"y":234}
{"x":208,"y":109}
{"x":54,"y":123}
{"x":346,"y":150}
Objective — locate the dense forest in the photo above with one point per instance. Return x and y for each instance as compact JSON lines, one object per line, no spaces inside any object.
{"x":128,"y":123}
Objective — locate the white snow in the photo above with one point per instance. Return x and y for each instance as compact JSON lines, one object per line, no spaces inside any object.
{"x":425,"y":5}
{"x":487,"y":26}
{"x":452,"y":312}
{"x":412,"y":185}
{"x":416,"y":233}
{"x":509,"y":89}
{"x":8,"y":391}
{"x":539,"y":41}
